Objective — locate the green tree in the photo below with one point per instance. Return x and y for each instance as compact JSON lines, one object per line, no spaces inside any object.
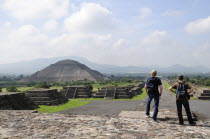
{"x":11,"y":88}
{"x":207,"y":83}
{"x":43,"y":85}
{"x":0,"y":89}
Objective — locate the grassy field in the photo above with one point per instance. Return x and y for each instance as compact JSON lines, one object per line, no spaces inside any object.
{"x":70,"y":104}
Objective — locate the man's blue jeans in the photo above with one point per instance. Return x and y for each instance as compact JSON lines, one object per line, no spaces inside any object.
{"x":156,"y":104}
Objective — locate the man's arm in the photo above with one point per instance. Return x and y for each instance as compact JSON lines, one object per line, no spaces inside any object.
{"x":161,"y":89}
{"x":145,"y":87}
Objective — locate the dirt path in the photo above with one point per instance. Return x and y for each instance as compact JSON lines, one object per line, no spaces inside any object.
{"x":114,"y":107}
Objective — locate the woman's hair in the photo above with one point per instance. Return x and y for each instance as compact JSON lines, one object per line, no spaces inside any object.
{"x":181,"y":77}
{"x":153,"y":73}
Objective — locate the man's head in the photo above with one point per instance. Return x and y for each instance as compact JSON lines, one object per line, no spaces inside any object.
{"x":153,"y":73}
{"x":181,"y":77}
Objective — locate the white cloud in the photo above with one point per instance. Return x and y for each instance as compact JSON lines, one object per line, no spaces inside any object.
{"x":23,"y":43}
{"x":50,"y":25}
{"x":145,"y":12}
{"x":7,"y":24}
{"x":198,"y":26}
{"x":154,"y":38}
{"x":172,"y":13}
{"x":120,"y":44}
{"x":92,"y":18}
{"x":33,"y":9}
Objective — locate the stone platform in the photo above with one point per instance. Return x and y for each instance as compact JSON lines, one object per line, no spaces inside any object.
{"x":15,"y":101}
{"x":203,"y":94}
{"x":22,"y":124}
{"x":77,"y":91}
{"x":163,"y":115}
{"x":46,"y":96}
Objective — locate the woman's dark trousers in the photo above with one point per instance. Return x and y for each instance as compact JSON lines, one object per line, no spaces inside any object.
{"x":185,"y":103}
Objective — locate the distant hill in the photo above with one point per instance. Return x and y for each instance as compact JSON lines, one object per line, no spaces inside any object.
{"x":66,"y":70}
{"x":31,"y":66}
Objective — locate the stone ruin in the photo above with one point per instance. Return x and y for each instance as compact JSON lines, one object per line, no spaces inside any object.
{"x":16,"y":101}
{"x":35,"y":97}
{"x":46,"y":97}
{"x":202,"y":94}
{"x":113,"y":92}
{"x":77,"y":91}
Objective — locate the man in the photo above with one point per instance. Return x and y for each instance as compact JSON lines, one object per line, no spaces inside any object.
{"x":152,"y":86}
{"x":182,"y":98}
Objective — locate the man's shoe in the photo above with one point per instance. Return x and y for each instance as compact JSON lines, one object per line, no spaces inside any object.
{"x":192,"y":123}
{"x":181,"y":123}
{"x":147,"y":116}
{"x":154,"y":120}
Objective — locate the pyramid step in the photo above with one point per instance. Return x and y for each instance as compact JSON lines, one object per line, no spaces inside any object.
{"x":204,"y":97}
{"x":38,"y":94}
{"x":83,"y":93}
{"x":43,"y":102}
{"x":98,"y":96}
{"x":40,"y":98}
{"x":123,"y":97}
{"x":83,"y":96}
{"x":206,"y":91}
{"x":205,"y":94}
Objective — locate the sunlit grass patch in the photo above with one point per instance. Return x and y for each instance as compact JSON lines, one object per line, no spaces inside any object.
{"x":73,"y":103}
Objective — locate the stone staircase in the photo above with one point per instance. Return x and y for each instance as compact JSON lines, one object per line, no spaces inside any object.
{"x":72,"y":92}
{"x":46,"y":97}
{"x":204,"y":95}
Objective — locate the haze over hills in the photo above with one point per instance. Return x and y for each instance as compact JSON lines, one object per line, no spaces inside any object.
{"x":66,"y":70}
{"x":29,"y":67}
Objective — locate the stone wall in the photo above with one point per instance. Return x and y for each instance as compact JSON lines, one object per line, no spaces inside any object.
{"x":15,"y":101}
{"x":46,"y":96}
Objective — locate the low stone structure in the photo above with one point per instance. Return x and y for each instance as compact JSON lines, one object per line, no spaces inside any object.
{"x":114,"y":92}
{"x":46,"y":96}
{"x":15,"y":101}
{"x":77,"y":91}
{"x":202,"y":94}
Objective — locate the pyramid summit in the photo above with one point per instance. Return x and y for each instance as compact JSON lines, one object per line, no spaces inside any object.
{"x":66,"y":70}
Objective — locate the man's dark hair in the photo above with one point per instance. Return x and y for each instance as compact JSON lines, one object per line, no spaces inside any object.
{"x":181,"y":77}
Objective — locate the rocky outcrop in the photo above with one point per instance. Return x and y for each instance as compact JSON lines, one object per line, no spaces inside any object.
{"x":66,"y":70}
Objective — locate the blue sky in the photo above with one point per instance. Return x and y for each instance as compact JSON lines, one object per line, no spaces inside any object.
{"x":134,"y":32}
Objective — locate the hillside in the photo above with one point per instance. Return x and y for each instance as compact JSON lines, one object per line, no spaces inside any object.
{"x":66,"y":70}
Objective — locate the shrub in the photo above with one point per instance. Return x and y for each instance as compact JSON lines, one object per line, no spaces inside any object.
{"x":43,"y":85}
{"x":11,"y":88}
{"x":0,"y":89}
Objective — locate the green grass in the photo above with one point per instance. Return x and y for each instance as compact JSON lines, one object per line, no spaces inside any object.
{"x":57,"y":87}
{"x":21,"y":89}
{"x":96,"y":86}
{"x":167,"y":86}
{"x":73,"y":103}
{"x":142,"y":96}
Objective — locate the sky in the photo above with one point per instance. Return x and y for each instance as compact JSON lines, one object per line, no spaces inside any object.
{"x":115,"y":32}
